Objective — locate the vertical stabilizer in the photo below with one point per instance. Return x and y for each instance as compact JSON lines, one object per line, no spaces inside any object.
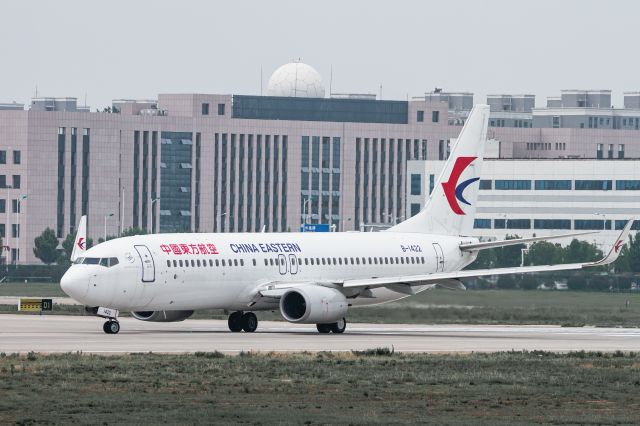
{"x":451,"y":207}
{"x":80,"y":244}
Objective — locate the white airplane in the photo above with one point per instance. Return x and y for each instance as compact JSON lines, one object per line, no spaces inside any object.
{"x":311,"y":278}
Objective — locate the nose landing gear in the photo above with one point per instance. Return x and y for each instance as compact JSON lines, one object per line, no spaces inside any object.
{"x":111,"y":327}
{"x":246,"y":321}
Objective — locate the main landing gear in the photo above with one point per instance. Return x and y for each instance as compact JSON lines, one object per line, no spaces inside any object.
{"x":112,"y":326}
{"x":334,"y":327}
{"x":246,"y":321}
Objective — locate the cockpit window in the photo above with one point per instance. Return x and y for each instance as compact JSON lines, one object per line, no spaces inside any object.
{"x":78,"y":260}
{"x":105,"y":261}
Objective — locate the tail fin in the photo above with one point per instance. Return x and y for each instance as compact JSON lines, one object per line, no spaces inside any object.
{"x":80,"y":244}
{"x":450,"y":209}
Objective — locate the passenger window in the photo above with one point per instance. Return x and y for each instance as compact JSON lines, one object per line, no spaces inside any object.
{"x":223,"y":263}
{"x":168,"y":263}
{"x":339,"y":261}
{"x":317,"y":261}
{"x":198,"y":262}
{"x":217,"y":262}
{"x":306,"y":261}
{"x":235,"y":262}
{"x":175,"y":263}
{"x":423,"y":260}
{"x":334,"y":261}
{"x":266,"y":262}
{"x":180,"y":263}
{"x":193,"y":263}
{"x":271,"y":262}
{"x":312,"y":261}
{"x":254,"y":262}
{"x":241,"y":262}
{"x":282,"y":261}
{"x":211,"y":262}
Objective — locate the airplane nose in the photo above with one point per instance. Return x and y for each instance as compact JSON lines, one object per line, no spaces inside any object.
{"x":75,"y":282}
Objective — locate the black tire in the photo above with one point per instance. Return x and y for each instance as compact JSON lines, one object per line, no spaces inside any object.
{"x":339,"y":327}
{"x":235,"y":322}
{"x":323,"y":328}
{"x":105,"y":327}
{"x":113,"y":327}
{"x":249,"y":322}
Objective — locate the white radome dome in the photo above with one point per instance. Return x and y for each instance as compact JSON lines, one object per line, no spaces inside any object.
{"x":297,"y":80}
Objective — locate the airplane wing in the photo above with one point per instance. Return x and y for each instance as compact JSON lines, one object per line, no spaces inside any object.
{"x":503,"y":243}
{"x":435,"y":278}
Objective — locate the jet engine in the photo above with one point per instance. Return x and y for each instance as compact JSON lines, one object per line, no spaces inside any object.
{"x":313,"y":305}
{"x":162,"y":316}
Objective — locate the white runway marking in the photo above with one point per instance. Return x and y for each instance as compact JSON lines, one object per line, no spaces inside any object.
{"x":57,"y":333}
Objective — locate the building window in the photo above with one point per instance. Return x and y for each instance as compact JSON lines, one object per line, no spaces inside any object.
{"x":555,"y":122}
{"x":3,"y":206}
{"x":3,"y":181}
{"x":205,"y":109}
{"x":485,"y":184}
{"x":621,"y":150}
{"x":15,"y":206}
{"x":610,"y":152}
{"x":599,"y":151}
{"x":18,"y":160}
{"x":415,"y":209}
{"x":435,"y":116}
{"x":593,"y":185}
{"x":499,"y":224}
{"x":519,"y":224}
{"x":16,"y":181}
{"x":621,"y":223}
{"x":552,"y":224}
{"x":420,"y":116}
{"x":513,"y":184}
{"x":482,"y":223}
{"x":3,"y":230}
{"x":3,"y":157}
{"x":416,"y":184}
{"x":15,"y":231}
{"x":220,"y":109}
{"x":589,"y":224}
{"x":553,"y":185}
{"x":628,"y":185}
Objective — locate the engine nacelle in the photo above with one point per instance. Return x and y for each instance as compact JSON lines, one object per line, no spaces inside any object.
{"x":162,"y":316}
{"x":313,"y":305}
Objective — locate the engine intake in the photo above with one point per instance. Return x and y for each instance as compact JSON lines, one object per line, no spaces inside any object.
{"x":313,"y":305}
{"x":162,"y":316}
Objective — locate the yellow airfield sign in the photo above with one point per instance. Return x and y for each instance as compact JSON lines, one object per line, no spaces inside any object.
{"x":35,"y":305}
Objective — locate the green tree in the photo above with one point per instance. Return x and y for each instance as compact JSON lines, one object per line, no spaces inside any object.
{"x":509,"y":255}
{"x":506,"y":282}
{"x":46,"y":246}
{"x":581,"y":251}
{"x":599,"y":283}
{"x":629,"y":260}
{"x":486,"y":259}
{"x":528,"y":282}
{"x":544,"y":253}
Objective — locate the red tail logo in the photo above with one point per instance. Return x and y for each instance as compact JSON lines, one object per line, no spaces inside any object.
{"x":618,"y":246}
{"x":454,"y":191}
{"x":81,"y":243}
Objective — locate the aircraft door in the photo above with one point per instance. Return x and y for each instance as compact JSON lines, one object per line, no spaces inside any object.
{"x":293,"y":262}
{"x":439,"y":257}
{"x":282,"y":264}
{"x":148,"y":267}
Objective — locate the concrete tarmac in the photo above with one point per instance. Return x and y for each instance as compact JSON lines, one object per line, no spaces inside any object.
{"x":58,"y":333}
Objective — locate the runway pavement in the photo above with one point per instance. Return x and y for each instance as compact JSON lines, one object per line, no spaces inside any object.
{"x":57,"y":333}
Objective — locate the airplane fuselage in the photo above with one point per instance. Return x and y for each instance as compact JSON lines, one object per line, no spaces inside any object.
{"x":224,"y":271}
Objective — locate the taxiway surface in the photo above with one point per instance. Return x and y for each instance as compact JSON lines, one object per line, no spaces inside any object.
{"x":57,"y":333}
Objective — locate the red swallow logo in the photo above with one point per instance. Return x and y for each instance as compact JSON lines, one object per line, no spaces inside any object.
{"x":81,"y":243}
{"x":618,"y":246}
{"x":454,"y":191}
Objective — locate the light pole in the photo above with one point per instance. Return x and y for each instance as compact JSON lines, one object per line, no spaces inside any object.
{"x":151,"y":216}
{"x":220,"y":220}
{"x":18,"y":204}
{"x":7,"y":206}
{"x":522,"y":252}
{"x":106,"y":216}
{"x":305,"y":218}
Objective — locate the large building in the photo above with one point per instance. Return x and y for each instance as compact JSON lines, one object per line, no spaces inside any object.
{"x":238,"y":163}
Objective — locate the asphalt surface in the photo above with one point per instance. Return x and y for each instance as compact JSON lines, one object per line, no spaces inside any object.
{"x":57,"y":333}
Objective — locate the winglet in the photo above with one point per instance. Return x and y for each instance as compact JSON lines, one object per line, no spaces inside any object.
{"x":616,"y":248}
{"x":80,"y":244}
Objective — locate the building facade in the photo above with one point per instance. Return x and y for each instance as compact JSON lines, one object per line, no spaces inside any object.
{"x":237,"y":163}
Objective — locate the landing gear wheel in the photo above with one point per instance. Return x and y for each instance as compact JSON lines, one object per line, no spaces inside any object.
{"x":339,"y":327}
{"x":235,"y":322}
{"x":323,"y":328}
{"x":249,"y":322}
{"x":111,"y":327}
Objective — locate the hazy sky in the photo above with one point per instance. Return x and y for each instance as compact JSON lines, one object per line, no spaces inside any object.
{"x":137,"y":49}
